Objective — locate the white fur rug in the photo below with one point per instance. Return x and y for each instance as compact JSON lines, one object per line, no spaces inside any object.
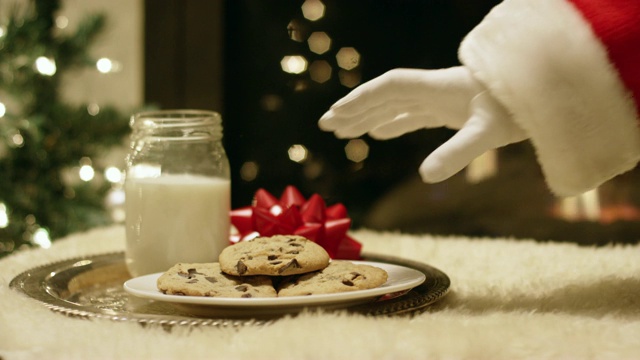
{"x":510,"y":299}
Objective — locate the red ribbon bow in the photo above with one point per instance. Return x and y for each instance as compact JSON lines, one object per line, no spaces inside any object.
{"x":293,"y":214}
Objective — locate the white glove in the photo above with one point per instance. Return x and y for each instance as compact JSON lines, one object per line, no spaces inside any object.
{"x":405,"y":100}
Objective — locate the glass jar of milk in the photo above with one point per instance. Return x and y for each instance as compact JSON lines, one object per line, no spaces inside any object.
{"x":178,"y":192}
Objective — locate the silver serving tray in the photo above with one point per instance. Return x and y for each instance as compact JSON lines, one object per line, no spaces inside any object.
{"x":91,"y":287}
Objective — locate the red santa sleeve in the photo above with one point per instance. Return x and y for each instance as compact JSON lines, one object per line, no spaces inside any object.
{"x":569,"y":72}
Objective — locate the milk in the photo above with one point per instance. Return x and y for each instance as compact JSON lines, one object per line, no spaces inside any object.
{"x":175,"y":218}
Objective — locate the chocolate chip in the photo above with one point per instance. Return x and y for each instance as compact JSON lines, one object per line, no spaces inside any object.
{"x":247,"y":295}
{"x":190,"y":275}
{"x":347,"y":282}
{"x":193,"y":281}
{"x":294,"y":244}
{"x":292,"y":264}
{"x":355,"y":275}
{"x":294,"y":252}
{"x":272,"y":257}
{"x":241,"y":267}
{"x":211,"y":279}
{"x":241,"y":288}
{"x":275,"y":262}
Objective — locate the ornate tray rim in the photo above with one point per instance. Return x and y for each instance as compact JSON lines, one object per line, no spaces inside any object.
{"x":34,"y":283}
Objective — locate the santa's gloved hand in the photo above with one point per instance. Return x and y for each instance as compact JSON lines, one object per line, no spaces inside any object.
{"x":405,"y":100}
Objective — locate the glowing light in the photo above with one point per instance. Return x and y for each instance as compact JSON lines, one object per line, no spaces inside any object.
{"x":294,"y":64}
{"x":320,"y":71}
{"x":295,"y":29}
{"x":115,"y":197}
{"x":62,"y":22}
{"x":104,"y":65}
{"x":3,"y":109}
{"x":41,"y":238}
{"x":46,"y":66}
{"x":2,"y":31}
{"x":348,"y":58}
{"x":17,"y":140}
{"x":356,"y":150}
{"x":313,"y":9}
{"x":4,"y":216}
{"x":113,"y":174}
{"x":319,"y":42}
{"x":349,"y":78}
{"x":249,"y":171}
{"x":276,"y":210}
{"x":93,"y":109}
{"x":298,"y":153}
{"x":86,"y":173}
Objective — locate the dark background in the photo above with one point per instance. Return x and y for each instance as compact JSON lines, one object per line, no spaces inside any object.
{"x":225,"y":56}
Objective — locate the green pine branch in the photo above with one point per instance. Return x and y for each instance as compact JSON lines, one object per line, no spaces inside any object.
{"x":41,"y":137}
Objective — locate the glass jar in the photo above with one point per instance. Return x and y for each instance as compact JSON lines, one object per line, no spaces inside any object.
{"x":178,"y":190}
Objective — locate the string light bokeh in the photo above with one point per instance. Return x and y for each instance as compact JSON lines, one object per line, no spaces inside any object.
{"x":315,"y":61}
{"x":285,"y":64}
{"x":20,"y":131}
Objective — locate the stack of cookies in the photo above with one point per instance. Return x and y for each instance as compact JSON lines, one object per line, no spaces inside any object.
{"x":276,"y":266}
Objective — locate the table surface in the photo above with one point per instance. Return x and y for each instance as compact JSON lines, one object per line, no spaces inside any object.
{"x":509,"y":299}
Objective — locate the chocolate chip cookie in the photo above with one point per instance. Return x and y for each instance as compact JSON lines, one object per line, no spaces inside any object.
{"x":339,"y":276}
{"x":208,"y":280}
{"x":277,"y":255}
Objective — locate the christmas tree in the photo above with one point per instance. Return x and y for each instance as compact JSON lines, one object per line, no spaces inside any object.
{"x":45,"y":141}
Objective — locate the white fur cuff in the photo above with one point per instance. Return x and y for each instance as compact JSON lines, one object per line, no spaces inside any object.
{"x":543,"y":62}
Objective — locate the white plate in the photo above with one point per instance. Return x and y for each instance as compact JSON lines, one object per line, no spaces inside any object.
{"x":400,"y":279}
